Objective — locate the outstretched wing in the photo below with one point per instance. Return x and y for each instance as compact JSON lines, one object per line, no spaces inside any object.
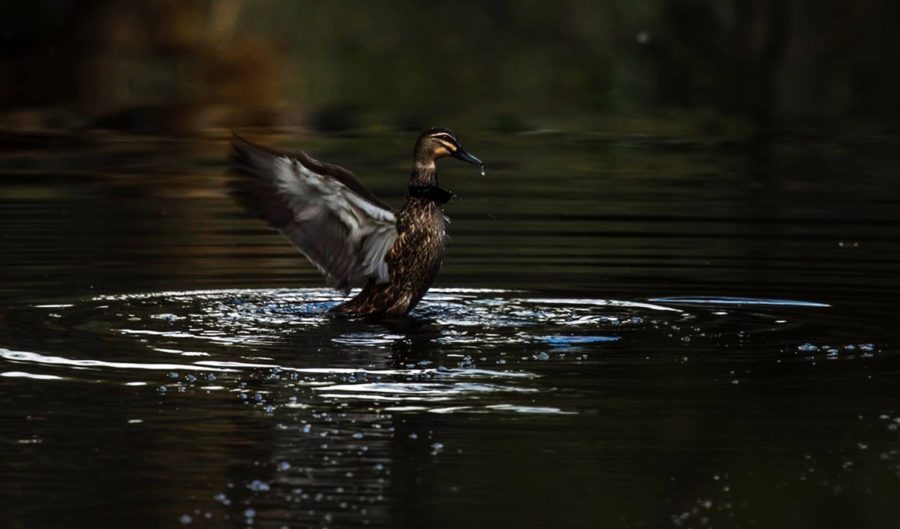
{"x":322,"y":209}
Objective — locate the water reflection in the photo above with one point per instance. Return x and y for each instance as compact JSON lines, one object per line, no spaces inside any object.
{"x":629,"y":343}
{"x":338,"y":413}
{"x":432,"y":357}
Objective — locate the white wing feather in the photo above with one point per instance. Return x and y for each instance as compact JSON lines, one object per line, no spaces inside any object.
{"x":345,"y":235}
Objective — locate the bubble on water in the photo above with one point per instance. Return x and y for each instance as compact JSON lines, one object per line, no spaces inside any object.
{"x":166,"y":317}
{"x":258,"y":486}
{"x":571,"y":341}
{"x":542,"y":356}
{"x":185,"y":519}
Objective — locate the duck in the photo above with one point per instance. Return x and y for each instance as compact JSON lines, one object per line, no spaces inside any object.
{"x":352,"y":237}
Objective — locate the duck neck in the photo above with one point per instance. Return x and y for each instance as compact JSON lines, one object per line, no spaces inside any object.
{"x":424,"y":174}
{"x":423,"y":184}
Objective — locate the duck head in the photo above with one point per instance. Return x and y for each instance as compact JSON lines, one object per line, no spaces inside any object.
{"x":437,"y":143}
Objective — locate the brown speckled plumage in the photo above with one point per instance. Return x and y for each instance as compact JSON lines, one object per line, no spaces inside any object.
{"x":353,"y":238}
{"x":413,"y":261}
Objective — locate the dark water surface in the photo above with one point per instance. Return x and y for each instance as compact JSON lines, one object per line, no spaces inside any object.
{"x":630,"y":333}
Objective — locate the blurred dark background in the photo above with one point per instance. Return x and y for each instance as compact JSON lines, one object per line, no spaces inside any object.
{"x":725,"y":68}
{"x":636,"y":150}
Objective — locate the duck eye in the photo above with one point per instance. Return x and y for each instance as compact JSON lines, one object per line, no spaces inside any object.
{"x":446,"y":140}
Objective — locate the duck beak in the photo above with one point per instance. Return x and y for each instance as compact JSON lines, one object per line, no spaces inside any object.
{"x":462,"y":154}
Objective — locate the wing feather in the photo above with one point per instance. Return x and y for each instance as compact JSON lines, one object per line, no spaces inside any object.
{"x":322,"y":209}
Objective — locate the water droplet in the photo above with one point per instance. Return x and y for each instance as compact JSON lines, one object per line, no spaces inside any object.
{"x":482,"y":170}
{"x":258,"y":486}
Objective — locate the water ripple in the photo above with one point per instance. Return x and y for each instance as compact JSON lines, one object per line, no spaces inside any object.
{"x":25,"y":356}
{"x":34,"y":376}
{"x":720,"y":300}
{"x":461,"y":351}
{"x":425,"y":390}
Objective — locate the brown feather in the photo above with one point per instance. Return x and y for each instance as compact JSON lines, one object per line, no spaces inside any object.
{"x":343,"y":229}
{"x":320,"y":208}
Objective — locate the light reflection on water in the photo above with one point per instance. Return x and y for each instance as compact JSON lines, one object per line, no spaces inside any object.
{"x":649,"y":350}
{"x":340,"y":423}
{"x":469,"y":328}
{"x":207,"y":329}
